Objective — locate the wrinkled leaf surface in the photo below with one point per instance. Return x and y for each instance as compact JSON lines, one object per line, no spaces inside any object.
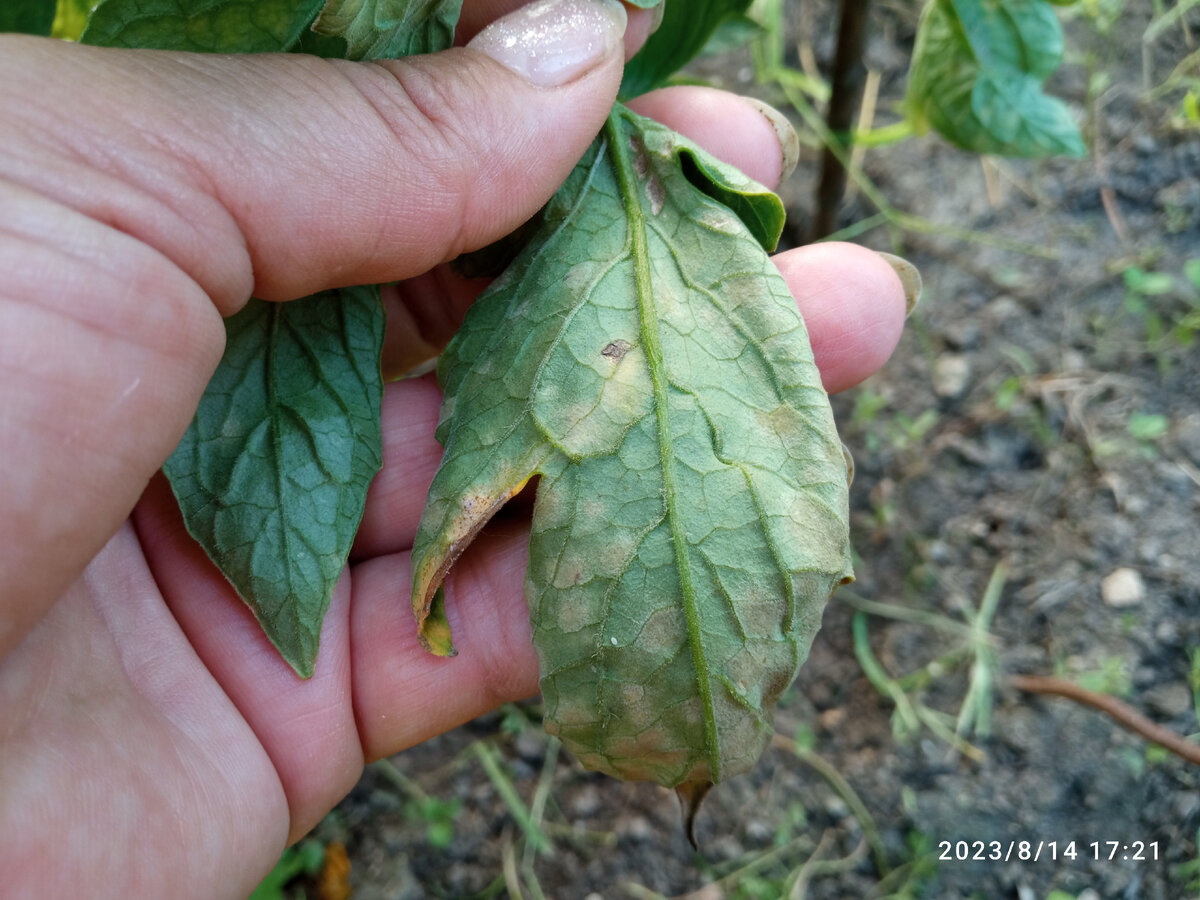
{"x":387,"y":29}
{"x":206,"y":26}
{"x":644,"y":357}
{"x":977,"y":74}
{"x":273,"y":473}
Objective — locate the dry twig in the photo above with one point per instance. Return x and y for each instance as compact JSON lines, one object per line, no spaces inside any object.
{"x":1122,"y":713}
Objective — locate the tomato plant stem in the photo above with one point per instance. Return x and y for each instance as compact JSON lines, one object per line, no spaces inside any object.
{"x":848,"y":77}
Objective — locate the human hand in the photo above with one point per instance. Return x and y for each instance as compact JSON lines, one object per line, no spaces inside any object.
{"x":150,"y":732}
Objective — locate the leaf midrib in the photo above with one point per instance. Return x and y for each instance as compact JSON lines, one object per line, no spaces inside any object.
{"x":652,"y":344}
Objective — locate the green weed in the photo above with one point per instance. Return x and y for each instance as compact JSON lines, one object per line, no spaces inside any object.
{"x":975,"y":644}
{"x":304,"y":858}
{"x":1166,"y":307}
{"x":1189,"y":872}
{"x":437,"y":815}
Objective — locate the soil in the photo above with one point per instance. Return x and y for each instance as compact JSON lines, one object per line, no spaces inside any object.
{"x":1038,"y":431}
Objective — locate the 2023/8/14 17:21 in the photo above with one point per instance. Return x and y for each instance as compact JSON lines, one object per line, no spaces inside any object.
{"x":1035,"y":851}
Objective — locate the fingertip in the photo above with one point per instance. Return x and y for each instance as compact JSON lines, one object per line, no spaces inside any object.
{"x":641,"y":24}
{"x":853,"y":303}
{"x":404,"y":695}
{"x":740,"y":131}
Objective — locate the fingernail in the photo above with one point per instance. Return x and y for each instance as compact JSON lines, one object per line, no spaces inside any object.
{"x":910,"y":277}
{"x":656,"y":22}
{"x":789,"y":144}
{"x":552,"y":42}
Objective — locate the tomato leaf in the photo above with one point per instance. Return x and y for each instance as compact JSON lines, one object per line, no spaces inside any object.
{"x":685,"y":29}
{"x":28,"y":16}
{"x":644,"y":357}
{"x":208,"y":26}
{"x":273,"y":473}
{"x":977,"y":73}
{"x":387,"y":29}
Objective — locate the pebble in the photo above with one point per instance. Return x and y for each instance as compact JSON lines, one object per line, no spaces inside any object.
{"x":1122,"y":588}
{"x":1004,"y":308}
{"x":1171,"y":699}
{"x":586,"y":803}
{"x":951,"y":375}
{"x":759,"y":832}
{"x":530,"y":745}
{"x":1167,"y":633}
{"x":1187,"y":433}
{"x":635,"y":828}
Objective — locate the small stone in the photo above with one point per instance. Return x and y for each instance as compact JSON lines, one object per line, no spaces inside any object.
{"x":830,"y":719}
{"x":962,"y":335}
{"x":1187,"y":433}
{"x":759,"y":832}
{"x":1073,"y":361}
{"x":586,"y":803}
{"x":1122,"y":588}
{"x":1004,"y":308}
{"x":1171,"y":699}
{"x":530,"y":745}
{"x":635,"y":828}
{"x":1167,"y":633}
{"x":951,"y":375}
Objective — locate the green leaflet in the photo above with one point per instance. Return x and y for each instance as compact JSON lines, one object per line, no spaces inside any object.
{"x":273,"y":473}
{"x":643,"y":356}
{"x":387,"y":29}
{"x":977,"y":74}
{"x":27,"y":16}
{"x":686,"y":27}
{"x":208,"y":26}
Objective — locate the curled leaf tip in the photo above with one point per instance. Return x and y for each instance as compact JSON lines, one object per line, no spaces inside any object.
{"x":691,"y":795}
{"x":433,"y":628}
{"x":461,"y":522}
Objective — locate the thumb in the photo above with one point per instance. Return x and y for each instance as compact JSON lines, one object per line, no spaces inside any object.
{"x":325,"y":172}
{"x":145,"y":188}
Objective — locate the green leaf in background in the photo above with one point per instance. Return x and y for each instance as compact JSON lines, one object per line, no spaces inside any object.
{"x":977,"y":73}
{"x":273,"y":473}
{"x":686,"y":27}
{"x":644,"y":357}
{"x":27,"y":16}
{"x":206,"y":26}
{"x":387,"y":29}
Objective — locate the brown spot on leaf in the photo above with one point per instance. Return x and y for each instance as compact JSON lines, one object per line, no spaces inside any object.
{"x":615,"y":350}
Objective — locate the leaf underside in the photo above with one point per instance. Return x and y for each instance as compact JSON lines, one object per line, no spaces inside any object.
{"x":205,"y":26}
{"x":387,"y":29}
{"x":643,"y":356}
{"x":272,"y":475}
{"x":977,"y":74}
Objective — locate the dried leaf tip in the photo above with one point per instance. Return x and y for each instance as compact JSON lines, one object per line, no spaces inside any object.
{"x":691,"y":795}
